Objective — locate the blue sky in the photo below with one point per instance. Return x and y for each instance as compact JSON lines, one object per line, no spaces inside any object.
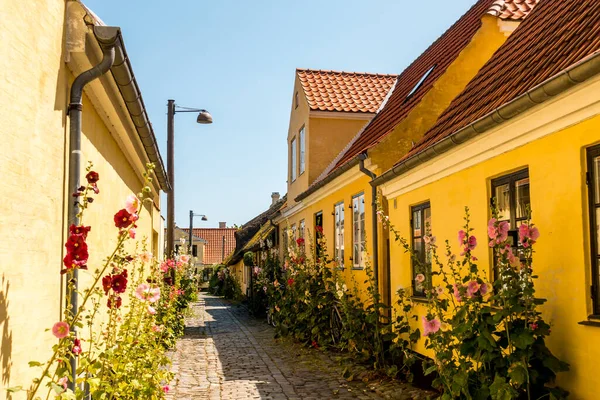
{"x":237,"y":60}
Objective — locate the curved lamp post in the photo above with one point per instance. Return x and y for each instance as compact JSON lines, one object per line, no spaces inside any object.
{"x":192,"y":215}
{"x":204,"y":117}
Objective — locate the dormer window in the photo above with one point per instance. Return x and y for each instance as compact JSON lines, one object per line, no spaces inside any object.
{"x":418,"y":85}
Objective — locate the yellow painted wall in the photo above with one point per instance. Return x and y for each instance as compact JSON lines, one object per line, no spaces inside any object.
{"x":559,"y":204}
{"x":298,"y":118}
{"x":483,"y":45}
{"x":326,"y":139}
{"x":34,"y":86}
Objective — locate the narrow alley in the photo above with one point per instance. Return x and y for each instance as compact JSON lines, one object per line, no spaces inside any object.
{"x":225,"y":354}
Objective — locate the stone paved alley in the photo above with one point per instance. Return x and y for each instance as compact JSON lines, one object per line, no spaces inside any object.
{"x":225,"y":354}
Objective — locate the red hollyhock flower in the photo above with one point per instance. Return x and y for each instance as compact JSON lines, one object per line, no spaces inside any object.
{"x":106,"y":283}
{"x":122,"y":219}
{"x":300,"y":241}
{"x":119,"y":283}
{"x":76,"y":347}
{"x":79,"y":230}
{"x":95,"y":188}
{"x":70,"y":262}
{"x":290,"y":282}
{"x":76,"y":245}
{"x":92,"y":177}
{"x":117,"y":302}
{"x":319,"y":229}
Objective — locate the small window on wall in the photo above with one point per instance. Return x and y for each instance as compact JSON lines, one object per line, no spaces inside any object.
{"x":593,"y":180}
{"x":302,"y":137}
{"x":512,"y":200}
{"x":421,"y":266}
{"x":294,"y":232}
{"x":339,"y":233}
{"x":358,"y":231}
{"x":294,"y":160}
{"x":195,"y":250}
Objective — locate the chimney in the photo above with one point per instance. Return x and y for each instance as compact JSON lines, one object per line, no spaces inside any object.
{"x":222,"y":225}
{"x":274,"y":197}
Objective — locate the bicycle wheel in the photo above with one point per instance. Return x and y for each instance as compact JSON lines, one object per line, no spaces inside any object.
{"x":270,"y":319}
{"x":337,"y":326}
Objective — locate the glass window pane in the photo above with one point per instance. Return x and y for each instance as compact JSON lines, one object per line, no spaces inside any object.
{"x":418,"y":249}
{"x":596,"y":179}
{"x":355,"y":256}
{"x":427,"y":220}
{"x":416,"y":223}
{"x":294,"y":162}
{"x":502,"y":195}
{"x":522,"y":197}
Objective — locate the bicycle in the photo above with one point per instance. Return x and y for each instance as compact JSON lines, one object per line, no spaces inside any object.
{"x":336,"y":323}
{"x":270,"y":317}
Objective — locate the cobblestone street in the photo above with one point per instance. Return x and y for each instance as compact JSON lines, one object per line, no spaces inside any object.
{"x":225,"y":354}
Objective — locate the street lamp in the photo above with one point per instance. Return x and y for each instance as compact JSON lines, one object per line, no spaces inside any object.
{"x":204,"y":117}
{"x":192,"y":215}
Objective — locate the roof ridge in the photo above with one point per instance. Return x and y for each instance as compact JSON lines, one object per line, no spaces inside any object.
{"x":333,"y":71}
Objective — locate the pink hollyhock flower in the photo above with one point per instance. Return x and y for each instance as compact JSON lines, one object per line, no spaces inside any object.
{"x":146,"y":257}
{"x":145,"y":292}
{"x":151,"y":310}
{"x":132,"y":204}
{"x":165,"y":388}
{"x":184,"y":258}
{"x":472,"y":243}
{"x":164,"y":267}
{"x":132,"y":233}
{"x":492,"y":231}
{"x":485,"y":288}
{"x":430,"y":326}
{"x":122,"y":219}
{"x":76,"y":347}
{"x":63,"y":382}
{"x":61,"y":330}
{"x":503,"y":229}
{"x":473,"y":258}
{"x":420,"y":278}
{"x":457,"y":295}
{"x":439,"y":290}
{"x":462,"y":236}
{"x":157,"y":328}
{"x":534,"y":233}
{"x":472,"y":288}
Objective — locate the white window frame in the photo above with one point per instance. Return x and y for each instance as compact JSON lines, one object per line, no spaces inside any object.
{"x":338,"y":210}
{"x":302,"y":138}
{"x":358,"y":232}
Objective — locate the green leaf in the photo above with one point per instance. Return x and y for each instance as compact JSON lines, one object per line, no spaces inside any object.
{"x":523,"y":339}
{"x":430,"y":370}
{"x":35,"y":364}
{"x":14,"y":389}
{"x":518,"y":375}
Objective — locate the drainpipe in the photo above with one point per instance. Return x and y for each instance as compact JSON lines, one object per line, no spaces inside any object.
{"x":361,"y":163}
{"x":107,"y":38}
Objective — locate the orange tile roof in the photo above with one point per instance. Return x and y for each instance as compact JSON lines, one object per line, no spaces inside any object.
{"x":512,"y":9}
{"x":555,"y":36}
{"x":344,"y":91}
{"x":213,"y":249}
{"x":440,"y":54}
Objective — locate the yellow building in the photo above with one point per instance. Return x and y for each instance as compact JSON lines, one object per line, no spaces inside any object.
{"x":526,"y":130}
{"x":340,"y":198}
{"x":42,"y":50}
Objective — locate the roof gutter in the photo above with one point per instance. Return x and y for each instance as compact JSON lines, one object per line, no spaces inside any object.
{"x":124,"y":77}
{"x":337,"y":172}
{"x":541,"y":93}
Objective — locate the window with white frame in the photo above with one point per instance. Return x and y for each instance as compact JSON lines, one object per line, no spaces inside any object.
{"x":358,"y":224}
{"x":339,"y":234}
{"x":301,"y":229}
{"x":302,"y":137}
{"x":294,"y":232}
{"x":294,"y":161}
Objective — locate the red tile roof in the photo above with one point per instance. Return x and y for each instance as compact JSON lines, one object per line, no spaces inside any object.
{"x":213,"y":249}
{"x":440,"y":54}
{"x":555,"y":36}
{"x":344,"y":91}
{"x":512,"y":9}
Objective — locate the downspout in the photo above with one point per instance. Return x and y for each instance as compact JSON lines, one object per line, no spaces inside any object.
{"x":361,"y":163}
{"x":107,"y":38}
